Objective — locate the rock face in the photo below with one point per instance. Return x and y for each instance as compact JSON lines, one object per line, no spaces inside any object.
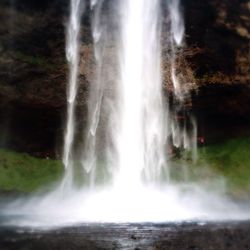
{"x":221,"y":31}
{"x":219,"y":35}
{"x":33,"y":69}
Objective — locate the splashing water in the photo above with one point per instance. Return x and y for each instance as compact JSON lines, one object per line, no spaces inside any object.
{"x":130,"y":128}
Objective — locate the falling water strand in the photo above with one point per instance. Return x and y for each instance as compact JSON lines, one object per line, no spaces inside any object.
{"x":137,"y":118}
{"x":177,"y":35}
{"x":72,"y":54}
{"x":141,"y":134}
{"x":184,"y":128}
{"x":90,"y":152}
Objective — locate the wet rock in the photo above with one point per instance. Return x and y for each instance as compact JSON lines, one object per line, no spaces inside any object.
{"x":185,"y":236}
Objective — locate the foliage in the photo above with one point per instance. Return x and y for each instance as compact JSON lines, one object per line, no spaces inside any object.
{"x":231,"y":160}
{"x":24,"y":173}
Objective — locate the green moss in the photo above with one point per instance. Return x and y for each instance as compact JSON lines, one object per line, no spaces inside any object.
{"x":232,"y":160}
{"x":21,"y":172}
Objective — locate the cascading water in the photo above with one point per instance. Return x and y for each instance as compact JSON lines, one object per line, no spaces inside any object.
{"x":183,"y":125}
{"x":131,"y":127}
{"x":143,"y":124}
{"x":72,"y":53}
{"x":130,"y":111}
{"x":177,"y":34}
{"x":135,"y":124}
{"x":90,"y":157}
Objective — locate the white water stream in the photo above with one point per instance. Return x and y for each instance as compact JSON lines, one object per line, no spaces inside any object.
{"x":130,"y":130}
{"x":72,"y":53}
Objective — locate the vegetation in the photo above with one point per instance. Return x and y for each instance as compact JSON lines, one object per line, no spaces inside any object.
{"x":23,"y":173}
{"x":231,"y":160}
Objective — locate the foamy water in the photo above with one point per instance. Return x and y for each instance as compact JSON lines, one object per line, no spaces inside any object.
{"x":129,"y":116}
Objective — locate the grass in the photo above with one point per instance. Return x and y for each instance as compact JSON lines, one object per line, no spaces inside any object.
{"x":23,"y":173}
{"x":230,"y":159}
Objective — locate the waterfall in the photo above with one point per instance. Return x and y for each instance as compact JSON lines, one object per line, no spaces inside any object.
{"x":72,"y":54}
{"x":183,"y":125}
{"x":134,"y":124}
{"x":142,"y":113}
{"x":128,"y":112}
{"x":90,"y":153}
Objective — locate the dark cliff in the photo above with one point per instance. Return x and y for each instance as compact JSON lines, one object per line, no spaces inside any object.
{"x":33,"y":69}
